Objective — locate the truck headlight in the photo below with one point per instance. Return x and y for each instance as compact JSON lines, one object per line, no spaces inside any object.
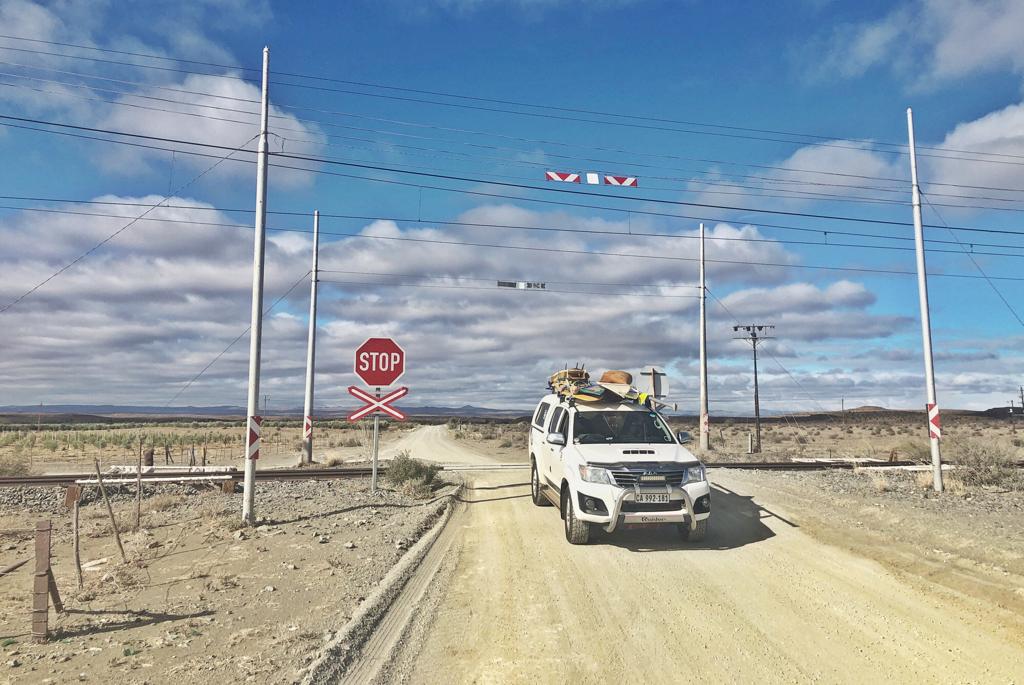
{"x":694,"y":474}
{"x":595,"y":474}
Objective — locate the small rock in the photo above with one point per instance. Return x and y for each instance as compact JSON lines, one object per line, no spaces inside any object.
{"x":240,"y":535}
{"x":269,"y":588}
{"x":291,"y":567}
{"x":350,"y":545}
{"x":14,"y":663}
{"x":323,"y":539}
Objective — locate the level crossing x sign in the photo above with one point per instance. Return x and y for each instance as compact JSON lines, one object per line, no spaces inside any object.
{"x":375,"y":404}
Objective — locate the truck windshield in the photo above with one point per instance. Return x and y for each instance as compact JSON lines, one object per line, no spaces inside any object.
{"x":619,"y":427}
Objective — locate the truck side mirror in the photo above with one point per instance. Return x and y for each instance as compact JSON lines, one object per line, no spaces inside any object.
{"x":556,"y":439}
{"x":684,"y":437}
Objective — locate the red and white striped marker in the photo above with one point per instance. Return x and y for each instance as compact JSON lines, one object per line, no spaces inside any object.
{"x":629,"y":181}
{"x":307,"y":428}
{"x":561,"y":176}
{"x":934,"y":422}
{"x":255,"y":428}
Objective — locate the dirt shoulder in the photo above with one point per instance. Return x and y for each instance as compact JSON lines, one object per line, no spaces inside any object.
{"x":970,"y":542}
{"x":201,"y":599}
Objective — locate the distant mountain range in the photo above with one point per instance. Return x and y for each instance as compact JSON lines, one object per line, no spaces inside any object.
{"x":229,"y":410}
{"x":82,"y":411}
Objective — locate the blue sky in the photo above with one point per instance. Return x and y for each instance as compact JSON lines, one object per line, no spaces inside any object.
{"x":151,"y":308}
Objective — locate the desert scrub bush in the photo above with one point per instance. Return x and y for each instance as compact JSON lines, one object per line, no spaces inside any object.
{"x":985,"y":463}
{"x":505,"y":443}
{"x":13,"y":467}
{"x":351,"y":442}
{"x":412,"y":476}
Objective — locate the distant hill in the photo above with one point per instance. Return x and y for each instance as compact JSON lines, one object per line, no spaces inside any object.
{"x":84,"y":413}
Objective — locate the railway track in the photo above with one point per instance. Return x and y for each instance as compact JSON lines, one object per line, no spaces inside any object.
{"x":64,"y":479}
{"x":56,"y":480}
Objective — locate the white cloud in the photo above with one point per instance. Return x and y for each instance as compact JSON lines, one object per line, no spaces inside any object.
{"x":930,"y":41}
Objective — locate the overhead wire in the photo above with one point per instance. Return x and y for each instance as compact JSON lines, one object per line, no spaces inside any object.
{"x":462,"y":96}
{"x":137,"y":65}
{"x":231,"y":344}
{"x":119,"y":231}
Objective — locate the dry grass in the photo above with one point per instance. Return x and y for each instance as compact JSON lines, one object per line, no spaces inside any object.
{"x":12,"y":466}
{"x":985,"y":463}
{"x":880,"y":482}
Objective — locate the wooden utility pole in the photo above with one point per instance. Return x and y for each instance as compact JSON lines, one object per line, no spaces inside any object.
{"x":755,"y":334}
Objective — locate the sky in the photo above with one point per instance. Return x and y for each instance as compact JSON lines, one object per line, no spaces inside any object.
{"x":422,"y":130}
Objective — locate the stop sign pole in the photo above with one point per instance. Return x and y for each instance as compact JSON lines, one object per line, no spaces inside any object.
{"x":379,"y":362}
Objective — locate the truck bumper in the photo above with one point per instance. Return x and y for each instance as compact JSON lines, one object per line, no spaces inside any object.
{"x":687,"y":505}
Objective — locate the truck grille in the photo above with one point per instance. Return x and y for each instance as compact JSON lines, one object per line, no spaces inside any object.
{"x":634,"y":507}
{"x":628,"y":476}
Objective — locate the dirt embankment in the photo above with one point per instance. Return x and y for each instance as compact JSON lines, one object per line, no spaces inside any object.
{"x":200,"y":599}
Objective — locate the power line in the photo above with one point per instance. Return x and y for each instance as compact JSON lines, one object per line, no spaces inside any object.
{"x":441,"y":222}
{"x":977,"y":266}
{"x":461,"y":96}
{"x":534,"y":114}
{"x":231,"y":344}
{"x":124,"y":228}
{"x":460,"y":178}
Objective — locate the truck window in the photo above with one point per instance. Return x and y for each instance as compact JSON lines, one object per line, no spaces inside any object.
{"x":558,"y":422}
{"x":542,"y":412}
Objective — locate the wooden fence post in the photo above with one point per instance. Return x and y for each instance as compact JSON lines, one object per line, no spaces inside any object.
{"x":110,"y":510}
{"x":44,"y":587}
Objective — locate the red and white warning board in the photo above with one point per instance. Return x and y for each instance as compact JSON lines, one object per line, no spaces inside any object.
{"x":255,"y":428}
{"x":934,"y":422}
{"x":561,"y":176}
{"x":307,"y":428}
{"x":591,"y":178}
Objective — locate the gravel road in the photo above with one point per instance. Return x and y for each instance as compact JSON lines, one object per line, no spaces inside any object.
{"x":759,"y":599}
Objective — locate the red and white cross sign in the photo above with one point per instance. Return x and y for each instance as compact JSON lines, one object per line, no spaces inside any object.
{"x":374,"y":404}
{"x":934,"y":422}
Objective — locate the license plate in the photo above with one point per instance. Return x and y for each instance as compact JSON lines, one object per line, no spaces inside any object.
{"x":652,"y":498}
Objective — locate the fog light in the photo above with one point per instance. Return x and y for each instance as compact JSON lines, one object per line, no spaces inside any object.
{"x":591,"y":504}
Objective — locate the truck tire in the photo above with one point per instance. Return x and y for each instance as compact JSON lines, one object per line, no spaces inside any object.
{"x":536,"y":494}
{"x":576,"y":532}
{"x":696,"y":534}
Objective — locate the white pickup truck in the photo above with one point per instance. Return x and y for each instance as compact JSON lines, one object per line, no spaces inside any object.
{"x":613,"y":464}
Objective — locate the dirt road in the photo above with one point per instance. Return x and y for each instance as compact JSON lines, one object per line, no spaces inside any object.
{"x":760,"y":599}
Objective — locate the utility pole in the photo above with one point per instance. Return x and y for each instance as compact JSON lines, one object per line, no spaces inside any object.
{"x":256,"y":331}
{"x":842,"y":406}
{"x":934,"y":425}
{"x":755,"y":333}
{"x":307,"y":426}
{"x":705,"y":423}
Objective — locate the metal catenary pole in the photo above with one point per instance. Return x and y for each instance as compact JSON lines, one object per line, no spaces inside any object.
{"x":307,"y":437}
{"x":926,"y":326}
{"x":705,"y":425}
{"x":253,"y":421}
{"x":757,"y":399}
{"x":376,"y":446}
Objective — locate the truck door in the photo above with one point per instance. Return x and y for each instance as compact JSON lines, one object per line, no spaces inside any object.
{"x":559,"y":425}
{"x":538,"y":435}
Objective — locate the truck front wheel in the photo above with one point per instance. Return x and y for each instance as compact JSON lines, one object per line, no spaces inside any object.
{"x":576,"y":532}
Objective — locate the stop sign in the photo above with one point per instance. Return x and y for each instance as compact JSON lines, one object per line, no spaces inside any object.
{"x":380,"y":362}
